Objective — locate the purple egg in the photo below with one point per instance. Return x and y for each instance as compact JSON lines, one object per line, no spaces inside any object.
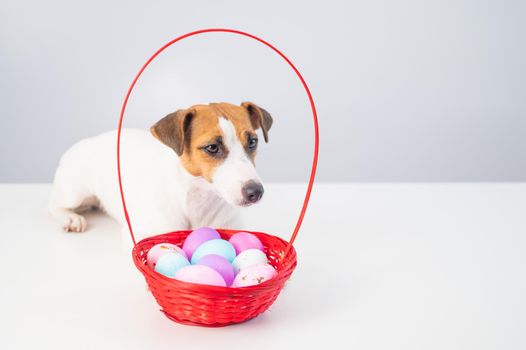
{"x":221,"y":265}
{"x":198,"y":237}
{"x":244,"y":240}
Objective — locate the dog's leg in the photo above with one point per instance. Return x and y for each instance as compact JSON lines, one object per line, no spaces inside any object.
{"x":71,"y":221}
{"x":67,"y":200}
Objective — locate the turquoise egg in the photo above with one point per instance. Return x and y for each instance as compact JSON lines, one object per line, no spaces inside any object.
{"x":215,"y":246}
{"x":169,"y":263}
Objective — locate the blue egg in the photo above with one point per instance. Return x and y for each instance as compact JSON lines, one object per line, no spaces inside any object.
{"x":169,"y":263}
{"x":215,"y":246}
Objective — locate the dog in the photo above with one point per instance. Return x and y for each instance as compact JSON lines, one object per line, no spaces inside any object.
{"x":194,"y":168}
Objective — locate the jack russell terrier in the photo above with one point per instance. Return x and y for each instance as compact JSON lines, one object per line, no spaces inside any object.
{"x":194,"y":168}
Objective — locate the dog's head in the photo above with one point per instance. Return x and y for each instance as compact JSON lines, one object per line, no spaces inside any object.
{"x":219,"y":143}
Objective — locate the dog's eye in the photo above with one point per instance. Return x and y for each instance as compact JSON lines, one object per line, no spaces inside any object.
{"x":212,"y":148}
{"x":252,"y":143}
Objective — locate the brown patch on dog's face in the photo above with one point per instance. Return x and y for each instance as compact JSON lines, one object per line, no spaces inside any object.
{"x":195,"y":134}
{"x":245,"y":131}
{"x":205,"y":132}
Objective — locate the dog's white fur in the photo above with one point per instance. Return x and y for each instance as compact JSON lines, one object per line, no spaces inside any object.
{"x":161,"y":195}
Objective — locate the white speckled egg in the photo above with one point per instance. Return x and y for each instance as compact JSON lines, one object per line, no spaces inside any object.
{"x":254,"y":275}
{"x":248,"y":258}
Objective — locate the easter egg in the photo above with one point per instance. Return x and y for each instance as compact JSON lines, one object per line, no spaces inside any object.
{"x":200,"y":274}
{"x":215,"y":246}
{"x":160,"y":249}
{"x":220,"y":264}
{"x":253,"y":275}
{"x":248,"y":258}
{"x":198,"y":237}
{"x":169,"y":263}
{"x":244,"y":240}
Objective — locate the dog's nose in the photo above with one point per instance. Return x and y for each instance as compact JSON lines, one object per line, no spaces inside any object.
{"x":252,"y":191}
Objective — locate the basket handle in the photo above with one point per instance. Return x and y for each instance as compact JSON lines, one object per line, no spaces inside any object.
{"x":311,"y":100}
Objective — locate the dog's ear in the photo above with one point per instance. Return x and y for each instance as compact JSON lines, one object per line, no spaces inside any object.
{"x":259,"y":118}
{"x":174,"y":129}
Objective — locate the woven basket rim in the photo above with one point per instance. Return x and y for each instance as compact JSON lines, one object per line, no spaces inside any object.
{"x":147,"y":271}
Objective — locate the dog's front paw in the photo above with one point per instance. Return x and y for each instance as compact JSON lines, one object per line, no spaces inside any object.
{"x":75,"y":223}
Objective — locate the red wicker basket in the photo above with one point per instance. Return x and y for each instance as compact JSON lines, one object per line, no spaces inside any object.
{"x":213,"y":306}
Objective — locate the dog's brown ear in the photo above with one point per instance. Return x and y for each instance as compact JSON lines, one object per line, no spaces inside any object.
{"x":174,"y":129}
{"x":259,"y":118}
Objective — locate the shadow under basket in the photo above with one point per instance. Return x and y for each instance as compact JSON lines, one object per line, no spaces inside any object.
{"x":206,"y":305}
{"x":212,"y":306}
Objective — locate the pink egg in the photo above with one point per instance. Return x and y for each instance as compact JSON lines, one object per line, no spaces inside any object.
{"x":253,"y":275}
{"x":200,"y":274}
{"x":198,"y":237}
{"x":244,"y":240}
{"x":220,"y":264}
{"x":159,"y":250}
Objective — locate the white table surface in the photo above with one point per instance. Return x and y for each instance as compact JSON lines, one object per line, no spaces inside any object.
{"x":380,"y":266}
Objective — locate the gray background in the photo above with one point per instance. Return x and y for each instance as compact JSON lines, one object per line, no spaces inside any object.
{"x":405,"y":90}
